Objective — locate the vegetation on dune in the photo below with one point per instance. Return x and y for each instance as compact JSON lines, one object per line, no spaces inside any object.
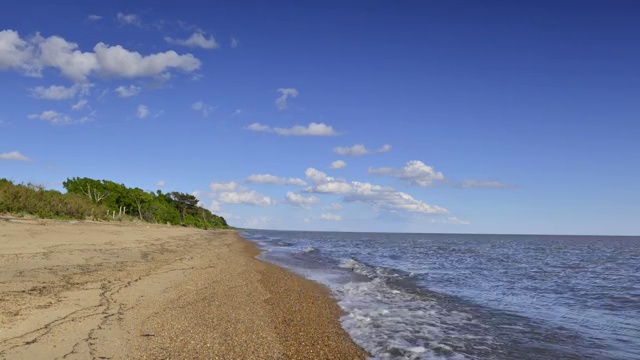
{"x":106,"y":200}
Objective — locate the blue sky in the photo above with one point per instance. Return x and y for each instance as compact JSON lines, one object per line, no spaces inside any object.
{"x":434,"y":116}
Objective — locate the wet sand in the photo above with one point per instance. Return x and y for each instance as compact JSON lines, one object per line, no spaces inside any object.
{"x":112,"y":291}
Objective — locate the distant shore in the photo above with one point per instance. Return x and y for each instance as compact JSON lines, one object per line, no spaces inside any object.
{"x":83,"y":290}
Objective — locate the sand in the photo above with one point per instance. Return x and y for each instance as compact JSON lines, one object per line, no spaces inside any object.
{"x":83,"y":290}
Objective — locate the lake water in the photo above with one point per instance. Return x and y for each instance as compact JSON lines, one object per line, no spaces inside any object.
{"x":445,"y":296}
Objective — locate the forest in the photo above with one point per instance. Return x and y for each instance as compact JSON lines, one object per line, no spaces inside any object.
{"x":106,"y":200}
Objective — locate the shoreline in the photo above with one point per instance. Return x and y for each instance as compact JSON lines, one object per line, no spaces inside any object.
{"x":96,"y":290}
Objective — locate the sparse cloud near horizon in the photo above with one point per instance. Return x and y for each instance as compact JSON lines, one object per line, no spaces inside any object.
{"x":378,"y":197}
{"x":415,"y":173}
{"x":160,"y":183}
{"x":285,"y":93}
{"x":359,"y":150}
{"x":233,"y":193}
{"x":485,"y":184}
{"x":275,"y":180}
{"x":450,"y":220}
{"x":330,"y":217}
{"x":300,"y":201}
{"x":13,"y":155}
{"x":197,"y":39}
{"x":313,"y":129}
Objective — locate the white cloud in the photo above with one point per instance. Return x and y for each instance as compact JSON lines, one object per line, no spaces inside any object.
{"x":234,"y":43}
{"x":197,"y":39}
{"x":94,"y":17}
{"x":489,"y":184}
{"x":355,"y":150}
{"x":160,"y":183}
{"x":359,"y":150}
{"x":259,"y":222}
{"x":313,"y":129}
{"x":450,"y":220}
{"x":128,"y":91}
{"x":53,"y":117}
{"x":79,"y":105}
{"x":14,"y":51}
{"x":13,"y":155}
{"x":298,"y":200}
{"x":142,"y":111}
{"x":272,"y":179}
{"x":202,"y":107}
{"x":415,"y":172}
{"x":385,"y":148}
{"x":222,"y":186}
{"x":128,"y":19}
{"x":285,"y":93}
{"x":333,"y":207}
{"x":245,"y":197}
{"x":118,"y":61}
{"x":215,"y":206}
{"x":338,"y":164}
{"x":54,"y":92}
{"x":380,"y":198}
{"x":31,"y":56}
{"x":330,"y":217}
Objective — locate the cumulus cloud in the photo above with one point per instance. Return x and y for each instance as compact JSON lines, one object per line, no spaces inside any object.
{"x":128,"y":19}
{"x":197,"y":39}
{"x":142,"y":111}
{"x":487,"y":184}
{"x":338,"y":164}
{"x":36,"y":53}
{"x":415,"y":172}
{"x":313,"y":129}
{"x":57,"y":92}
{"x":298,"y":200}
{"x":359,"y":150}
{"x":223,"y":186}
{"x":13,"y":155}
{"x":128,"y":91}
{"x":203,"y":108}
{"x":160,"y":183}
{"x":285,"y":93}
{"x":272,"y":179}
{"x":233,"y":193}
{"x":120,"y":62}
{"x":330,"y":217}
{"x":379,"y":197}
{"x":245,"y":197}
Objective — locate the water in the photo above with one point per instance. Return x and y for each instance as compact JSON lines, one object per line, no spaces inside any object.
{"x":441,"y":296}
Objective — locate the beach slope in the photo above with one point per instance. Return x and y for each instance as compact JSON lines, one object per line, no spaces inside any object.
{"x":79,"y":290}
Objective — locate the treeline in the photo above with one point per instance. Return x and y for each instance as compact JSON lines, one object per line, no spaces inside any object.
{"x":106,"y":200}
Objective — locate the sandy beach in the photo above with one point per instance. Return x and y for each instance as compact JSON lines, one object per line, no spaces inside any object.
{"x":83,"y":290}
